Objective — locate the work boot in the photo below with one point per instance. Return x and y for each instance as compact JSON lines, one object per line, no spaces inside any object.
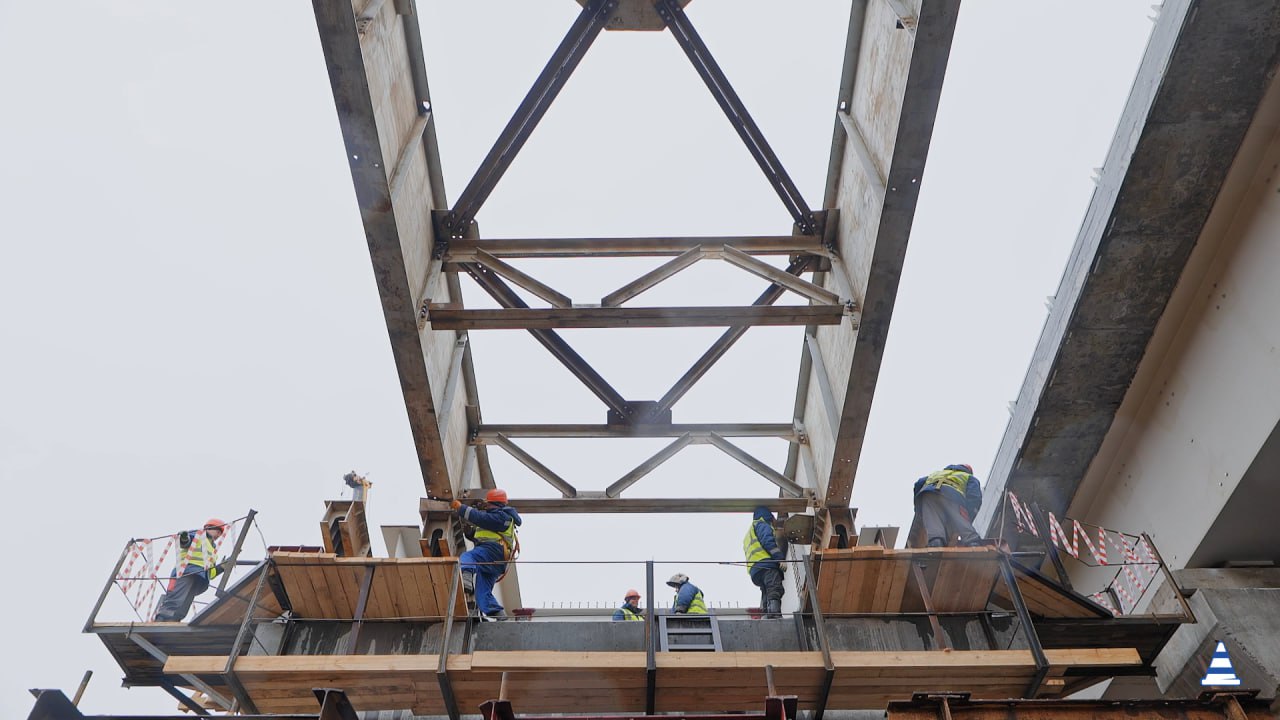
{"x":496,"y":617}
{"x":469,"y":583}
{"x":936,"y":543}
{"x":774,"y":610}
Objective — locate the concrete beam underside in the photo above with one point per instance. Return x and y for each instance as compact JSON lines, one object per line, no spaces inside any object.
{"x":1195,"y":96}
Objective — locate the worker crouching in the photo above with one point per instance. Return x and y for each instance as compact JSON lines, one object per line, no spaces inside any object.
{"x":688,"y":598}
{"x":764,"y":561}
{"x":946,"y":503}
{"x":496,"y":543}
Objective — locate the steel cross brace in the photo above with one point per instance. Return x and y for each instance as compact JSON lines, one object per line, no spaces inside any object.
{"x":726,"y":341}
{"x":551,"y":340}
{"x":685,"y":34}
{"x":492,"y":284}
{"x":564,"y":60}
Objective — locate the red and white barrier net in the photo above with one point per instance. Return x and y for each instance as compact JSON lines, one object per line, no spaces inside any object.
{"x":1136,"y":562}
{"x":151,"y":562}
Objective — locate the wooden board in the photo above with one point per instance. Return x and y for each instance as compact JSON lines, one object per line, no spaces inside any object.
{"x":1047,"y":599}
{"x":615,"y":682}
{"x":871,"y":579}
{"x":323,"y":586}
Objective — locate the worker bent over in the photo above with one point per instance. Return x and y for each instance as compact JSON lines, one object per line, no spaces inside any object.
{"x":688,"y":598}
{"x":197,"y":565}
{"x":630,"y":609}
{"x":495,"y":544}
{"x":946,"y":503}
{"x":764,"y":561}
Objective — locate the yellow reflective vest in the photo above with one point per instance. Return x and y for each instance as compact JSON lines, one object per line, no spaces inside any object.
{"x":697,"y":607}
{"x":957,"y":480}
{"x":507,"y":537}
{"x":752,"y":548}
{"x":201,"y":553}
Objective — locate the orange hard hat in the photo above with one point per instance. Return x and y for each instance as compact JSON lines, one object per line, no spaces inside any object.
{"x":215,"y":524}
{"x":496,"y":495}
{"x":632,"y":593}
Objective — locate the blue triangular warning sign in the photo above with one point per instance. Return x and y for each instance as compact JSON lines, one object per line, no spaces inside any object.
{"x":1220,"y":670}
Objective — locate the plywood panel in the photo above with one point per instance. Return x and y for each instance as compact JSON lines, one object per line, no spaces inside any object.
{"x":321,"y":585}
{"x":875,"y":580}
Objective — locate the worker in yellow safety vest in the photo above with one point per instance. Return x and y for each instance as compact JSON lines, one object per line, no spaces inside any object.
{"x":485,"y":564}
{"x":946,"y":503}
{"x":630,"y":609}
{"x":764,"y":561}
{"x":688,"y":598}
{"x":197,"y":565}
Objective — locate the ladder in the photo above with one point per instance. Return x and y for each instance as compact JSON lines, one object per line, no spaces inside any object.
{"x":689,"y":633}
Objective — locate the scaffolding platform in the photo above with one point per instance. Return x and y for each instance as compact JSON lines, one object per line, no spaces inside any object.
{"x":599,"y":682}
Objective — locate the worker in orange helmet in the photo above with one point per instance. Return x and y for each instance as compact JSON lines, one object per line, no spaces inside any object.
{"x":197,"y":565}
{"x":484,"y":565}
{"x":630,"y":609}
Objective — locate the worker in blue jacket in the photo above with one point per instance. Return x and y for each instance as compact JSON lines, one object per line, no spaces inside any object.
{"x":496,"y":543}
{"x":630,"y":609}
{"x":688,"y":599}
{"x":764,"y":561}
{"x":946,"y":503}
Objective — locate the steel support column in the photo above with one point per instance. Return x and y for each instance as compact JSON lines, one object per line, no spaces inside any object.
{"x":1029,"y":629}
{"x":819,"y":629}
{"x":442,"y":672}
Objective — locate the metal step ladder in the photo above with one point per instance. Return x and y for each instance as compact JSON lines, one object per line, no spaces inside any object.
{"x":689,"y":633}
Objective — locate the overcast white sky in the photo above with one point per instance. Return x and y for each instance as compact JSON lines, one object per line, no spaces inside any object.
{"x":190,"y":326}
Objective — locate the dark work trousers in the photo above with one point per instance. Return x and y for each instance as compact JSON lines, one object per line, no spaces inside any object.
{"x":944,"y":518}
{"x":769,"y":580}
{"x":177,"y":602}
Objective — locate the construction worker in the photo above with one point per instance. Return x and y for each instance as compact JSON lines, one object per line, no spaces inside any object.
{"x":197,"y":565}
{"x":764,"y":561}
{"x":630,"y":609}
{"x":485,"y":564}
{"x":688,"y":598}
{"x":946,"y":503}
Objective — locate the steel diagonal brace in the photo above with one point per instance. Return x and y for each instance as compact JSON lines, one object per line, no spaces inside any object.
{"x":726,"y":340}
{"x":731,"y":104}
{"x":577,"y":41}
{"x":551,"y":340}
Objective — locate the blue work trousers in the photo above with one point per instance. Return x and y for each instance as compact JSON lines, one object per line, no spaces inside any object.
{"x":486,"y":574}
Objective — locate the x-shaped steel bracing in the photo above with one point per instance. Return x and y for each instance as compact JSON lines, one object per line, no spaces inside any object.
{"x":459,"y":250}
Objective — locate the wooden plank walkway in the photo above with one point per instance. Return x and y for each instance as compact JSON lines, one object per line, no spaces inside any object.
{"x":324,"y":586}
{"x":871,"y":579}
{"x":600,"y":682}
